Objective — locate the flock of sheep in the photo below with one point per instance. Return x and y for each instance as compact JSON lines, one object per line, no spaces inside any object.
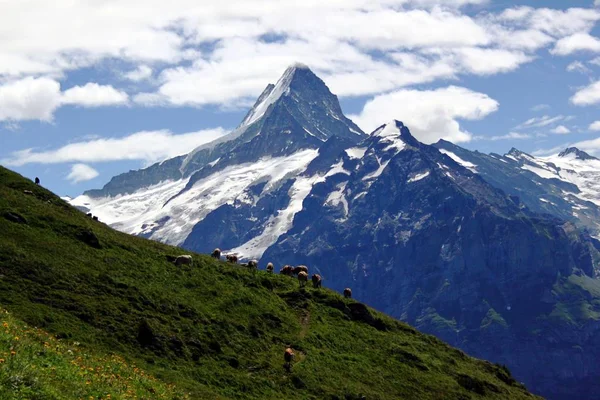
{"x":301,"y":271}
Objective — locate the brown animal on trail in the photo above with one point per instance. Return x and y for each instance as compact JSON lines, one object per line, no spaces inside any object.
{"x":253,"y":265}
{"x":270,"y":268}
{"x":300,"y":268}
{"x":287,"y":270}
{"x":232,"y":258}
{"x":288,"y":357}
{"x":302,"y":278}
{"x":348,"y":293}
{"x":216,"y":254}
{"x":316,"y":281}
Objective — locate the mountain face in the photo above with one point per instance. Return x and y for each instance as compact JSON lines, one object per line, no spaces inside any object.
{"x":254,"y":177}
{"x":483,"y":251}
{"x":425,"y":239}
{"x":566,"y":185}
{"x":211,"y":329}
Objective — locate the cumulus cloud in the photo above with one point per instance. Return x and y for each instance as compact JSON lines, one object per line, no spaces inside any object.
{"x":201,"y":45}
{"x":147,"y":146}
{"x":94,"y":95}
{"x":560,"y":130}
{"x":588,"y":95}
{"x":38,"y":98}
{"x":575,"y":43}
{"x":594,"y":126}
{"x":81,"y":173}
{"x":429,"y":114}
{"x":29,"y":98}
{"x":141,"y":73}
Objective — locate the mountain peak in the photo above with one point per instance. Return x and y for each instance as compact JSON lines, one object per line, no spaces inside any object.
{"x":514,"y":152}
{"x":392,"y":128}
{"x":574,"y":152}
{"x":296,"y":77}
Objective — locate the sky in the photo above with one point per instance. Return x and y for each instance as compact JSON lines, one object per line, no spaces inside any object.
{"x":91,"y":89}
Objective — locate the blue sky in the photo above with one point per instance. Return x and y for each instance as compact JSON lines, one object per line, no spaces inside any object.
{"x":80,"y":102}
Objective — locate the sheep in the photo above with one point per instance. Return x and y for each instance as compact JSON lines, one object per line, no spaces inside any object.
{"x":288,"y":357}
{"x":287,"y":270}
{"x":89,"y":215}
{"x":37,"y":180}
{"x":95,"y":218}
{"x":316,"y":281}
{"x":216,"y":254}
{"x":302,"y":278}
{"x":232,"y":258}
{"x":185,"y":259}
{"x":348,"y":293}
{"x":270,"y":267}
{"x":253,"y":265}
{"x":300,"y":268}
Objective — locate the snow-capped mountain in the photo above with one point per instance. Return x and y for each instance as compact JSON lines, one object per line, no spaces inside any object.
{"x":476,"y":249}
{"x":566,"y":185}
{"x":262,"y":163}
{"x":424,"y":238}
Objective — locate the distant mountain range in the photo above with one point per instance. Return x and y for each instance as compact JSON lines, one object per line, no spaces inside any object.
{"x":494,"y":254}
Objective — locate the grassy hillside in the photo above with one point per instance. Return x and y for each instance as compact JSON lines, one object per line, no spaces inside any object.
{"x":36,"y":365}
{"x":214,"y":330}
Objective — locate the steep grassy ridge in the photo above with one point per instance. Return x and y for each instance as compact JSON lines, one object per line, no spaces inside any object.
{"x":214,"y":330}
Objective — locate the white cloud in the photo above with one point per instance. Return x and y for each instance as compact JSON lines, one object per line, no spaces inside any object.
{"x":595,"y":61}
{"x":429,"y":114}
{"x":443,"y":42}
{"x":575,"y":43}
{"x":38,"y":98}
{"x":29,"y":98}
{"x":594,"y":126}
{"x":81,"y":173}
{"x":540,"y":122}
{"x":511,"y":135}
{"x":540,"y":107}
{"x":141,"y":73}
{"x":578,"y":66}
{"x":148,"y":146}
{"x":94,"y":95}
{"x":588,"y":95}
{"x":480,"y":61}
{"x":560,"y":130}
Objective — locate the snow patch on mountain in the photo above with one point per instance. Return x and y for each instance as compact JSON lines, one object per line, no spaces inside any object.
{"x":165,"y":213}
{"x":280,"y":223}
{"x":418,"y":177}
{"x":356,"y":152}
{"x":541,"y":172}
{"x":375,"y":174}
{"x":337,"y":168}
{"x":130,"y":207}
{"x":469,"y":165}
{"x":584,"y":173}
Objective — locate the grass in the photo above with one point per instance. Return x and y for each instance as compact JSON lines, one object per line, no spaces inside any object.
{"x":214,"y":330}
{"x":36,"y":365}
